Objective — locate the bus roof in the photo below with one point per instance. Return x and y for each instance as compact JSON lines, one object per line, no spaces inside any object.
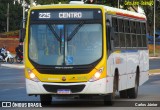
{"x":108,"y":9}
{"x":122,"y":12}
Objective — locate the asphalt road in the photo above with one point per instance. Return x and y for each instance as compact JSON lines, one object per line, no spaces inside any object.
{"x":12,"y":88}
{"x":154,"y":63}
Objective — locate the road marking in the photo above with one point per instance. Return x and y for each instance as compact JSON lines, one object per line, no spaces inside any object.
{"x":152,"y":74}
{"x":3,"y":90}
{"x":12,"y":83}
{"x":19,"y":77}
{"x":19,"y":66}
{"x":20,"y":87}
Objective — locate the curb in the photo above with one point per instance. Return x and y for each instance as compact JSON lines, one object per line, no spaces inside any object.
{"x":152,"y":74}
{"x":154,"y":57}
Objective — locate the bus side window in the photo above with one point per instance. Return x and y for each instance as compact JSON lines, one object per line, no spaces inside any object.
{"x":110,"y":35}
{"x":116,"y":35}
{"x":143,"y":34}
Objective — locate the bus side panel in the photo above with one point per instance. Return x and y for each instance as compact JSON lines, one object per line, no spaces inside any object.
{"x":120,"y":64}
{"x":143,"y":77}
{"x":146,"y":60}
{"x":127,"y":64}
{"x":144,"y":72}
{"x":110,"y":66}
{"x":110,"y":72}
{"x":122,"y":82}
{"x":117,"y":60}
{"x":132,"y":63}
{"x":131,"y":80}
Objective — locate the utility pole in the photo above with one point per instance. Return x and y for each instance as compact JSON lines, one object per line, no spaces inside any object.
{"x":118,"y":3}
{"x":154,"y":25}
{"x":31,"y":3}
{"x":8,"y":18}
{"x":23,"y":14}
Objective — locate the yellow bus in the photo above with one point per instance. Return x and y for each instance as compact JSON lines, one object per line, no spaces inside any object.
{"x":85,"y":49}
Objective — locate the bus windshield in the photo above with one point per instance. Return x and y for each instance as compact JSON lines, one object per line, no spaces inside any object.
{"x":65,"y":43}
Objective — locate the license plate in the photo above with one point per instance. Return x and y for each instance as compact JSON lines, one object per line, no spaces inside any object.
{"x":63,"y":91}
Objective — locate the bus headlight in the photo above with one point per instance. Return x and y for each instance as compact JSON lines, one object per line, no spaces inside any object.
{"x":97,"y":75}
{"x":32,"y":76}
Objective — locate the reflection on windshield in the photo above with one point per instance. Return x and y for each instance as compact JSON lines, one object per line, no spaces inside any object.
{"x":65,"y":44}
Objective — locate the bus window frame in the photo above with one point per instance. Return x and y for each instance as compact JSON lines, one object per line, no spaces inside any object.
{"x":129,"y":30}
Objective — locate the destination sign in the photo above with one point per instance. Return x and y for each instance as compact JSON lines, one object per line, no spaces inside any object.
{"x":65,"y":14}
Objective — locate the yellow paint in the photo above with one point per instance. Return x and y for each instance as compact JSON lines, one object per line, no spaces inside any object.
{"x":117,"y":51}
{"x":154,"y":71}
{"x":69,"y":77}
{"x":111,"y":12}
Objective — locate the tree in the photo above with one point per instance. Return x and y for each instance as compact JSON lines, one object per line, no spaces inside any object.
{"x":2,"y":17}
{"x":15,"y":15}
{"x":44,"y":2}
{"x":16,"y":12}
{"x":147,"y":9}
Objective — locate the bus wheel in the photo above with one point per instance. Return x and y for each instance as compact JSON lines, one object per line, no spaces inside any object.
{"x":123,"y":94}
{"x":46,"y":99}
{"x":133,"y":92}
{"x":10,"y":60}
{"x":109,"y":99}
{"x":85,"y":96}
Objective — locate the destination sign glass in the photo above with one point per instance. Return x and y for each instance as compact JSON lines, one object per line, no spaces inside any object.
{"x":75,"y":14}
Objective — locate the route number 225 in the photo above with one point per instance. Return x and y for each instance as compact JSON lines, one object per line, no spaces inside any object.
{"x":44,"y":15}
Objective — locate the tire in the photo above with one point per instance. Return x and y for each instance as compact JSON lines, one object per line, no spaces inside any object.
{"x":123,"y":94}
{"x":85,"y":96}
{"x":133,"y":92}
{"x":45,"y":100}
{"x":18,"y":60}
{"x":108,"y":100}
{"x":10,"y":60}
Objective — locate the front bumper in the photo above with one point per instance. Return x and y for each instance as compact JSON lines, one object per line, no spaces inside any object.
{"x":101,"y":86}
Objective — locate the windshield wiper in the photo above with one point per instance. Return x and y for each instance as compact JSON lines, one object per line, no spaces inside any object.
{"x":54,"y":32}
{"x":75,"y":31}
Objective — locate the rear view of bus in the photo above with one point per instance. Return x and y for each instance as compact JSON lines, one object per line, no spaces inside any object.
{"x":64,"y":51}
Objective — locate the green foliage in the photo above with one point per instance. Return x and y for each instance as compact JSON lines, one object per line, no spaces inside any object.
{"x":15,"y":15}
{"x":147,"y":9}
{"x":3,"y":12}
{"x":44,"y":2}
{"x":16,"y":12}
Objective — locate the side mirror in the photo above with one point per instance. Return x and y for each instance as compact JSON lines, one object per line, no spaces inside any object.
{"x":22,"y":35}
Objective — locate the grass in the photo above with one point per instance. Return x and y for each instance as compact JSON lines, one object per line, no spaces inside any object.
{"x":157,"y":53}
{"x":151,"y":50}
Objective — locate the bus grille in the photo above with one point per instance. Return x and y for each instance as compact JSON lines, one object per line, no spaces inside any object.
{"x":73,"y":88}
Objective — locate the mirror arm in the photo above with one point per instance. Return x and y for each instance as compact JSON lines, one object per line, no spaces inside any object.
{"x":22,"y":35}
